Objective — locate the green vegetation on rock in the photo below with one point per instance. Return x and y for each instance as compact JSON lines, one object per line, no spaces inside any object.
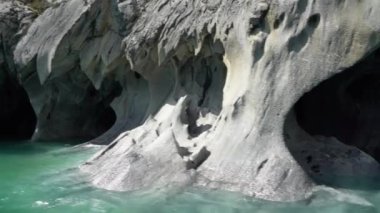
{"x":38,"y":5}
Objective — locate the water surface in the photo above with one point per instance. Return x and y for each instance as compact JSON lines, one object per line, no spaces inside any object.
{"x":43,"y":177}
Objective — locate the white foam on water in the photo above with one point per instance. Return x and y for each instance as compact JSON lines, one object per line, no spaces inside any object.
{"x":41,"y":203}
{"x":343,"y":196}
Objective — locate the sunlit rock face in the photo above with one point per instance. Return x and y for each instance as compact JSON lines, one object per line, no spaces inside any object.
{"x":202,"y":91}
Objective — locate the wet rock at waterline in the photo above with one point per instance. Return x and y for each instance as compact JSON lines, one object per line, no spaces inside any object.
{"x":198,"y":93}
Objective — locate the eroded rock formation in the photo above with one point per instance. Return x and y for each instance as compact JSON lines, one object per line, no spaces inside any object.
{"x":341,"y":109}
{"x":67,"y":104}
{"x":202,"y":91}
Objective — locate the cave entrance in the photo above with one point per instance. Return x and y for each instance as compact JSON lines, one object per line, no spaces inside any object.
{"x":346,"y":106}
{"x":75,"y":111}
{"x":333,"y":131}
{"x":17,"y":117}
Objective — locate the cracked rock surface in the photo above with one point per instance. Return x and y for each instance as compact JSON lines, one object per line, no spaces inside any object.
{"x":197,"y":92}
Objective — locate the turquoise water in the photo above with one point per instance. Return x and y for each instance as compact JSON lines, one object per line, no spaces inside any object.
{"x":37,"y":177}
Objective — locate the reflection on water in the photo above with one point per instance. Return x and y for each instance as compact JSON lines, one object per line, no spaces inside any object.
{"x":42,"y":178}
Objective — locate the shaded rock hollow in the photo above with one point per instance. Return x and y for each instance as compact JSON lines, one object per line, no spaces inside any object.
{"x":16,"y":113}
{"x":201,"y":91}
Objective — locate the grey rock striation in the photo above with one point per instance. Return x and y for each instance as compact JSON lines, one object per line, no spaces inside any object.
{"x":202,"y":91}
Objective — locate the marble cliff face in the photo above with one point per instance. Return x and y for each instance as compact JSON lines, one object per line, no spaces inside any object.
{"x":203,"y":92}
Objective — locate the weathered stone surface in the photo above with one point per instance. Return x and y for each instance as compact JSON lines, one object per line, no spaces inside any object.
{"x":67,"y":104}
{"x":201,"y":89}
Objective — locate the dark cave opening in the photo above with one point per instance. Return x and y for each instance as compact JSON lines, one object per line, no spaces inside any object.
{"x":17,"y":117}
{"x":75,"y":111}
{"x":346,"y":106}
{"x":70,"y":116}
